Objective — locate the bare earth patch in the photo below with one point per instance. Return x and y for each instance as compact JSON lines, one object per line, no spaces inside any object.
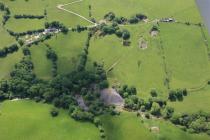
{"x":142,"y":43}
{"x":110,"y":97}
{"x":81,"y":103}
{"x":153,"y":33}
{"x":155,"y":129}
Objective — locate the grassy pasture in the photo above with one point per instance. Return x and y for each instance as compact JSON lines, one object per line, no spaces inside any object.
{"x":193,"y":103}
{"x":181,"y":10}
{"x":150,"y":74}
{"x":42,"y":66}
{"x":27,"y":120}
{"x":128,"y":126}
{"x":124,"y":127}
{"x":7,"y":63}
{"x":37,"y":7}
{"x":5,"y":38}
{"x":184,"y":50}
{"x":186,"y":55}
{"x":22,"y":25}
{"x":68,"y":48}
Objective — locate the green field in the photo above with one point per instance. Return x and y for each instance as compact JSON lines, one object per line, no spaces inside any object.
{"x":177,"y":53}
{"x":128,"y":126}
{"x":127,"y":71}
{"x":11,"y":60}
{"x":26,"y":120}
{"x":189,"y":50}
{"x":195,"y":102}
{"x":38,"y":124}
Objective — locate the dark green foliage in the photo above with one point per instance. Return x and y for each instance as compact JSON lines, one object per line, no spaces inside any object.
{"x":80,"y":28}
{"x":168,"y":112}
{"x":30,"y":32}
{"x":177,"y":94}
{"x":125,"y":34}
{"x":194,"y":123}
{"x":122,"y":20}
{"x":153,"y":93}
{"x":26,"y":51}
{"x":80,"y":115}
{"x":109,"y":16}
{"x":83,"y":56}
{"x":28,"y":16}
{"x":59,"y":91}
{"x":97,"y":121}
{"x":8,"y":50}
{"x":51,"y":55}
{"x":156,"y":109}
{"x":133,"y":20}
{"x":54,"y":112}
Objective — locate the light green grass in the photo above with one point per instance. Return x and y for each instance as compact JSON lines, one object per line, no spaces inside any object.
{"x":22,"y":25}
{"x":149,"y":75}
{"x":68,"y":48}
{"x":194,"y":102}
{"x":7,"y":63}
{"x":181,"y":10}
{"x":42,"y":66}
{"x":128,"y":126}
{"x":186,"y":55}
{"x":26,"y":120}
{"x":37,"y":7}
{"x":5,"y":38}
{"x":124,"y":127}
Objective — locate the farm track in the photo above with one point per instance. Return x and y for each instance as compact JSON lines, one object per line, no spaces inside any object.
{"x":61,"y":7}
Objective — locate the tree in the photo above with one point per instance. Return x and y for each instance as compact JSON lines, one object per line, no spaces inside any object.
{"x":54,"y":112}
{"x":125,"y":35}
{"x":168,"y":112}
{"x":153,"y":93}
{"x":97,"y":121}
{"x":155,"y":110}
{"x":172,"y":95}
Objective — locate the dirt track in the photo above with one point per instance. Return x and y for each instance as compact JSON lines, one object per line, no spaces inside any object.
{"x":61,"y":7}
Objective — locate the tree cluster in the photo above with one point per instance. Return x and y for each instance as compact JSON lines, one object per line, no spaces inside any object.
{"x":178,"y":94}
{"x":193,"y":123}
{"x":131,"y":100}
{"x":29,"y":32}
{"x":137,"y":18}
{"x":155,"y":105}
{"x":8,"y":50}
{"x":122,"y":20}
{"x":29,"y":16}
{"x":60,"y":91}
{"x":113,"y":29}
{"x":83,"y":57}
{"x":51,"y":55}
{"x":79,"y":28}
